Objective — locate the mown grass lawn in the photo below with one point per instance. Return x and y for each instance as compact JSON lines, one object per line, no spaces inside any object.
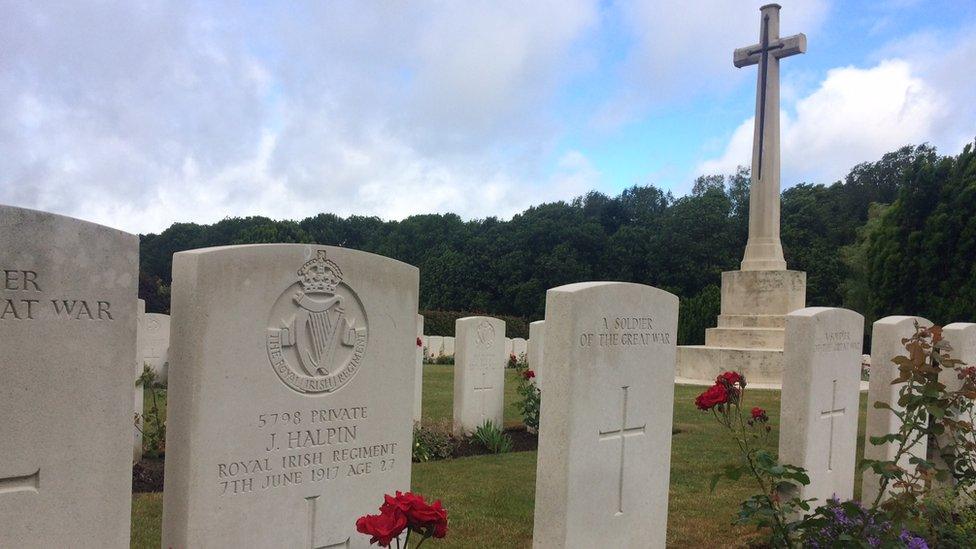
{"x":491,"y":498}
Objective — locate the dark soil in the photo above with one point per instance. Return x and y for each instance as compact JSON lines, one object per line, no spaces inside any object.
{"x":523,"y":440}
{"x":147,"y":475}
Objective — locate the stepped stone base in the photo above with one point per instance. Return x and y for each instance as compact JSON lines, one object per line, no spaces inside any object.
{"x":750,"y":333}
{"x":745,"y":338}
{"x":706,"y":363}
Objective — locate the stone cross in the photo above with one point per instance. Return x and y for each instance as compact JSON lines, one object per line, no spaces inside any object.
{"x":311,"y":505}
{"x":830,"y":414}
{"x":25,"y":483}
{"x":483,"y":389}
{"x":764,"y":251}
{"x":622,"y":433}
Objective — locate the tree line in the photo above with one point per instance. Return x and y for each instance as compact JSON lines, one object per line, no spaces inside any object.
{"x":896,"y":236}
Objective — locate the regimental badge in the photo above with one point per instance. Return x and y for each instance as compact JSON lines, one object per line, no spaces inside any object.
{"x":318,"y":329}
{"x":486,"y":334}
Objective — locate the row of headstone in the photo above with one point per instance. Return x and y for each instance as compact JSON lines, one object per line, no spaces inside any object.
{"x":821,"y":395}
{"x":437,"y":346}
{"x":304,"y":434}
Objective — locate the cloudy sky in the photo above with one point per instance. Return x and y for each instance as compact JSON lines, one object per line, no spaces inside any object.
{"x":139,"y":114}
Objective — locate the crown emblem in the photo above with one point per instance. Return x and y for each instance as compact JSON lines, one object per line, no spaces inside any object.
{"x":319,"y":275}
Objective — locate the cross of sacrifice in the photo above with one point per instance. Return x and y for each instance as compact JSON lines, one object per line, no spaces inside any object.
{"x":311,"y":503}
{"x":622,"y":433}
{"x":831,"y":413}
{"x":764,"y":251}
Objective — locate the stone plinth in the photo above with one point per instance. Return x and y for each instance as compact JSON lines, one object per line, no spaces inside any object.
{"x":749,"y":336}
{"x":699,"y":362}
{"x":751,"y":293}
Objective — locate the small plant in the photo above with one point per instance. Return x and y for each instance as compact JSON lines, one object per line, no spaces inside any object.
{"x":432,"y":443}
{"x":444,"y":359}
{"x":530,"y":398}
{"x":408,"y":512}
{"x":493,"y":438}
{"x":850,"y":524}
{"x":151,"y":424}
{"x":776,"y":503}
{"x":948,"y":519}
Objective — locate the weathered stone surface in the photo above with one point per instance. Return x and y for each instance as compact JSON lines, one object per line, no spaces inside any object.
{"x":886,"y":336}
{"x":291,"y":394}
{"x":67,"y":353}
{"x":479,"y":373}
{"x":605,"y":428}
{"x":418,"y":382}
{"x":156,"y":354}
{"x":820,"y":399}
{"x":535,"y":349}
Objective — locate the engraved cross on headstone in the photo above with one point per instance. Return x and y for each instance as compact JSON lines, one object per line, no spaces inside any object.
{"x":483,"y":391}
{"x":831,"y":413}
{"x":764,"y":251}
{"x":311,"y":503}
{"x":25,"y":483}
{"x":622,"y":433}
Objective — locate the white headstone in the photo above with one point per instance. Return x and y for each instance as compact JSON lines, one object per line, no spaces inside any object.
{"x":519,"y":348}
{"x":282,"y":430}
{"x":886,"y":337}
{"x":67,"y":347}
{"x":418,"y":382}
{"x":535,"y":346}
{"x":156,"y":354}
{"x":605,"y":429}
{"x":435,"y":347}
{"x":820,"y":399}
{"x":138,"y":389}
{"x":448,"y":346}
{"x":961,"y":337}
{"x":508,"y":348}
{"x":479,"y":373}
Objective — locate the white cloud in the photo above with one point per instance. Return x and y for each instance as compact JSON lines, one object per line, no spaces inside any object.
{"x":683,"y":49}
{"x":138,"y":115}
{"x":858,"y":114}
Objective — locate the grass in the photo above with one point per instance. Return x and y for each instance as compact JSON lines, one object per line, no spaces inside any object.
{"x":491,"y":497}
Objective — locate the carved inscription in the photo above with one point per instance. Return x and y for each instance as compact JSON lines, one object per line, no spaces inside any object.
{"x":23,"y":300}
{"x":835,"y":342}
{"x":628,"y":331}
{"x":306,"y":447}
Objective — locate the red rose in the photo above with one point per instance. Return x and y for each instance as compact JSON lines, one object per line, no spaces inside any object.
{"x":384,"y":527}
{"x":420,"y":342}
{"x":715,"y":395}
{"x":421,"y":517}
{"x":528,"y":374}
{"x":758,"y":414}
{"x":731,"y":378}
